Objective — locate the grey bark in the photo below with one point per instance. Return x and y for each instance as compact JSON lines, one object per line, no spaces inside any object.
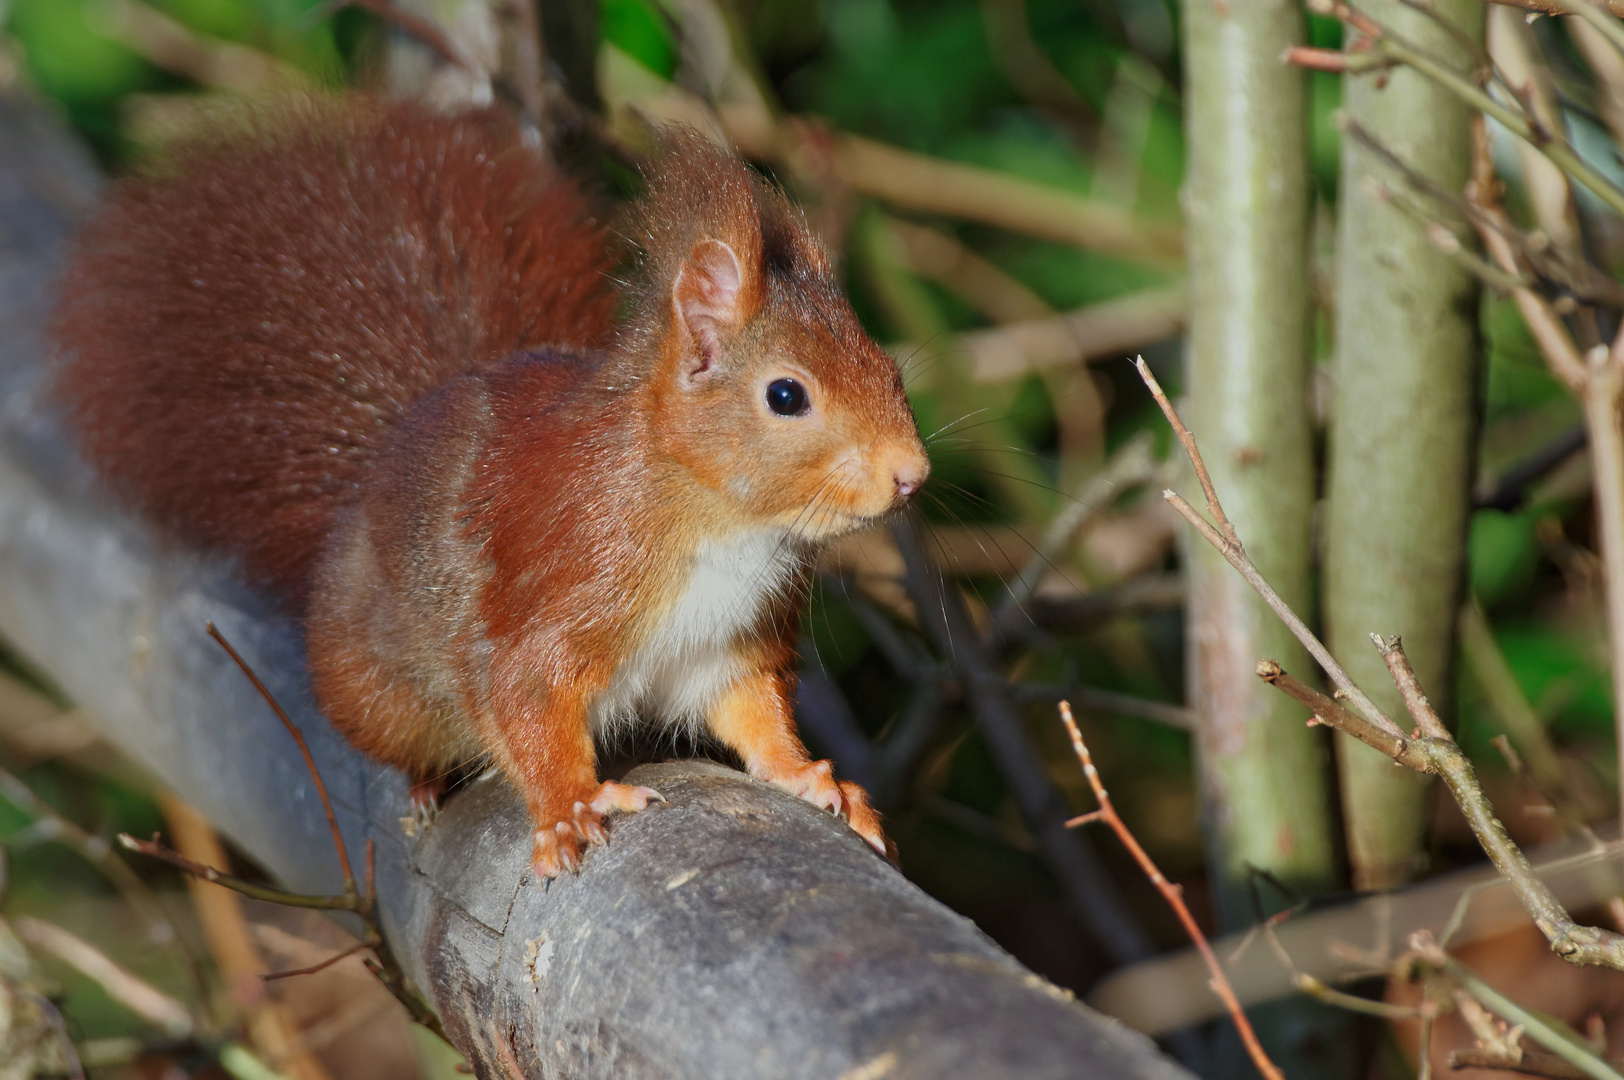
{"x":1401,"y":427}
{"x":732,"y":932}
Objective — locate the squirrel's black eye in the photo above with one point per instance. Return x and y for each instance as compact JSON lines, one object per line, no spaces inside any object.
{"x":786,"y":397}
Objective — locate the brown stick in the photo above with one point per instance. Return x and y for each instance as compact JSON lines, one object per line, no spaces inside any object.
{"x":1173,"y":894}
{"x":1188,"y":441}
{"x":304,"y":749}
{"x":1530,"y":1063}
{"x":1398,"y":665}
{"x":1597,"y":379}
{"x":1237,"y":558}
{"x":320,"y":965}
{"x":1331,"y":712}
{"x":155,"y":848}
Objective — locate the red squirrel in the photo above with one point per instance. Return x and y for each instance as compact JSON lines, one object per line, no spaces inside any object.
{"x":373,"y":352}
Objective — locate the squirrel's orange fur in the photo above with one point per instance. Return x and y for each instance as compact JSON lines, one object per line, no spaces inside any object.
{"x":372,"y":355}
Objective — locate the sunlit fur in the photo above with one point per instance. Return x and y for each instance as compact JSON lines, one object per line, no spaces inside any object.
{"x":550,"y":537}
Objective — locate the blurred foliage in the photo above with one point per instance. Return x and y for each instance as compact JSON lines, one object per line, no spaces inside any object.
{"x":928,"y":76}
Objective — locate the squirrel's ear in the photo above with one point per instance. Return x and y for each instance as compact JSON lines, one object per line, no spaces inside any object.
{"x":707,"y":295}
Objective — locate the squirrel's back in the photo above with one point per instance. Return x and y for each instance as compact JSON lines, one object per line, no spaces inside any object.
{"x":240,"y":332}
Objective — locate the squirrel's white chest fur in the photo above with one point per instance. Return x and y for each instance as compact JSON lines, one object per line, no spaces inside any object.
{"x":686,"y":663}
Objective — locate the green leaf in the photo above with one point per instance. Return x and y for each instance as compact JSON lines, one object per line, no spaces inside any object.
{"x":637,"y":28}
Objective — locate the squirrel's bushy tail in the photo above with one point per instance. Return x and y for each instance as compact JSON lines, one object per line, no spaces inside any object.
{"x":238,"y":333}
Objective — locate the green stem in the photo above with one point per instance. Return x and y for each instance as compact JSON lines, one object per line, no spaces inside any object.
{"x":1540,"y":1029}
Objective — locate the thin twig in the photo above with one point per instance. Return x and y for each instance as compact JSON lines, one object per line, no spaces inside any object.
{"x":1597,"y":378}
{"x":1529,"y":1063}
{"x":1173,"y":894}
{"x":1334,"y":61}
{"x":1549,"y":261}
{"x":1229,"y":546}
{"x":1188,"y":442}
{"x":1389,"y":48}
{"x":1237,"y":558}
{"x":1341,"y":999}
{"x":154,"y":848}
{"x":1444,"y":240}
{"x":1409,"y":686}
{"x":320,"y":965}
{"x":1332,"y":713}
{"x":385,"y":966}
{"x":304,"y":749}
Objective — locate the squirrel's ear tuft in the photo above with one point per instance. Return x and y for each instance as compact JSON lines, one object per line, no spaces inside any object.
{"x":708,"y":296}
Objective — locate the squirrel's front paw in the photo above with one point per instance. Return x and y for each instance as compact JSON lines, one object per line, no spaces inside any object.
{"x":815,"y":782}
{"x":558,"y":846}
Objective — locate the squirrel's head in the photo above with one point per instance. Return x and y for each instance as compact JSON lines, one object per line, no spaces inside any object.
{"x":766,"y":389}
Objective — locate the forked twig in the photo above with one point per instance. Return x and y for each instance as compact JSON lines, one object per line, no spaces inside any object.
{"x":1229,"y":546}
{"x":1386,"y":49}
{"x":1430,"y":749}
{"x":156,"y":849}
{"x":1188,"y":440}
{"x":1174,"y":895}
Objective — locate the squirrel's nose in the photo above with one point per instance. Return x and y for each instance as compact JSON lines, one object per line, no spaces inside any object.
{"x":910,"y":475}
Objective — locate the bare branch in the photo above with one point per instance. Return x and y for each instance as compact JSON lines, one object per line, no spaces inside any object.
{"x":304,"y":750}
{"x":1188,"y":442}
{"x":1578,"y":944}
{"x":1389,"y":48}
{"x":1173,"y":894}
{"x":155,"y":849}
{"x":320,"y":965}
{"x":1237,"y":558}
{"x":1331,"y":712}
{"x":1415,"y":699}
{"x":1534,"y":1024}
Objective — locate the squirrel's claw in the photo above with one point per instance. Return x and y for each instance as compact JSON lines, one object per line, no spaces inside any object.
{"x":815,"y":782}
{"x":559,"y":848}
